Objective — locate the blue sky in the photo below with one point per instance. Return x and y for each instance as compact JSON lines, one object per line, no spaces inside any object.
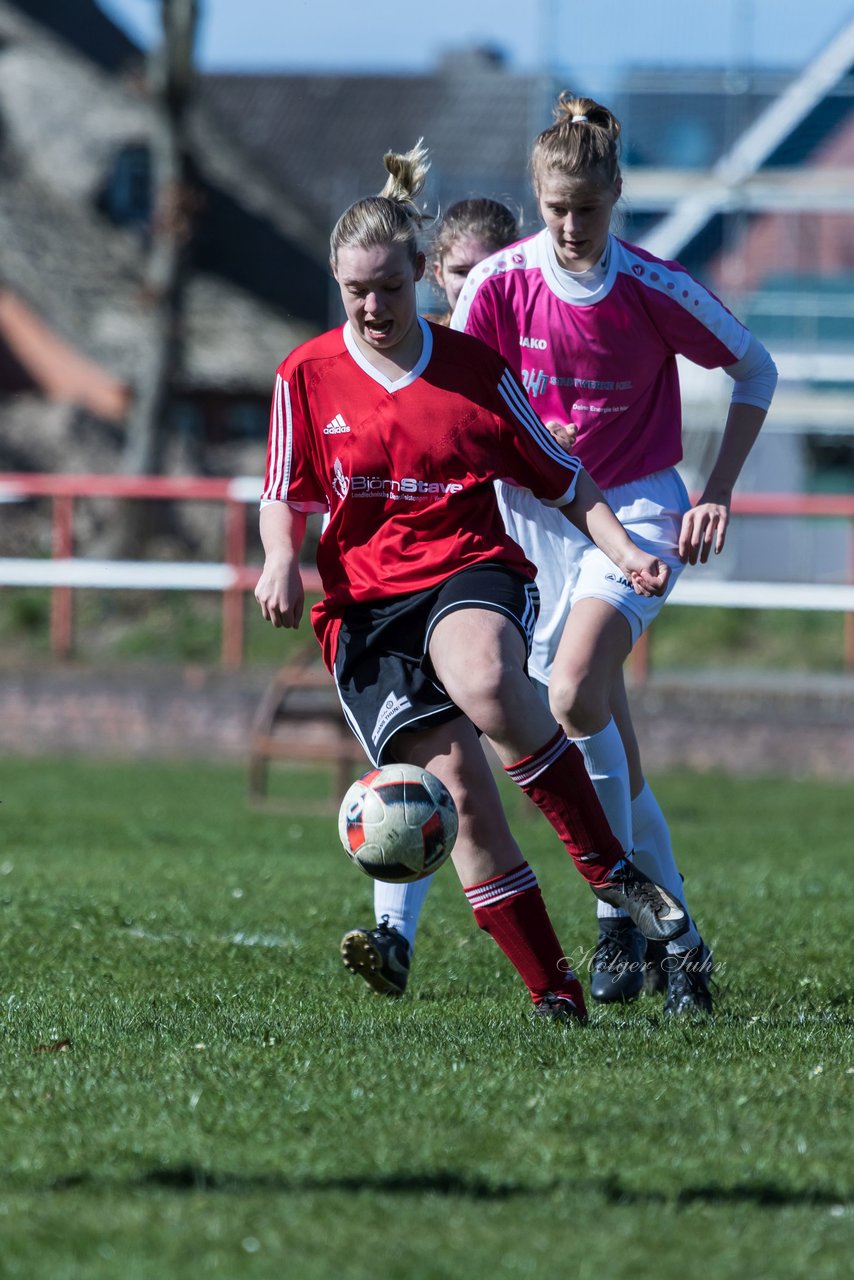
{"x":387,"y":35}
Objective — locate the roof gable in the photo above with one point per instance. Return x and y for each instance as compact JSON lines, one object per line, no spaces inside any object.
{"x":83,"y":25}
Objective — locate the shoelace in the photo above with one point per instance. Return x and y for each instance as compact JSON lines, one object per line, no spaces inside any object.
{"x":643,"y":890}
{"x":609,"y":950}
{"x":688,"y":979}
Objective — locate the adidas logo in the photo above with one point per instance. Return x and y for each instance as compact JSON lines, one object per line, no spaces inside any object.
{"x":336,"y":427}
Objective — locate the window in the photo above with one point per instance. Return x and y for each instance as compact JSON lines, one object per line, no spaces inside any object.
{"x":127,"y":197}
{"x":830,"y":463}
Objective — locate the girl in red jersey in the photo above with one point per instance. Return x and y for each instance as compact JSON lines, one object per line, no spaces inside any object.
{"x":592,"y":326}
{"x":398,"y":429}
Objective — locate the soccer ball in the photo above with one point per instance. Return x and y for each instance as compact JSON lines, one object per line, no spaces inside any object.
{"x":398,"y":823}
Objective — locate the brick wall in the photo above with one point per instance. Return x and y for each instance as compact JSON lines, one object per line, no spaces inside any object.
{"x":752,"y":726}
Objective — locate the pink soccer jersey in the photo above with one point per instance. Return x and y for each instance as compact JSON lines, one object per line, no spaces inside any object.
{"x":607,"y":365}
{"x":405,"y":468}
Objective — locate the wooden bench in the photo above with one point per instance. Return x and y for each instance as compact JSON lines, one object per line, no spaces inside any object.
{"x":299,"y":721}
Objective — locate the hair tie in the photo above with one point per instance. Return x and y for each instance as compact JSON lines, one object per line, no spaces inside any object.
{"x":579,"y":120}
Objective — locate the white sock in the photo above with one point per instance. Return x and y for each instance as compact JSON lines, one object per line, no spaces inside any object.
{"x":605,"y":761}
{"x":654,"y":856}
{"x":402,"y":904}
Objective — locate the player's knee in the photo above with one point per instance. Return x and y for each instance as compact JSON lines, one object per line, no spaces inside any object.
{"x":563,"y":693}
{"x":482,"y":692}
{"x":577,"y":703}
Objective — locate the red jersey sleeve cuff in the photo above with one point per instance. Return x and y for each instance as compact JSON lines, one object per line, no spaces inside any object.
{"x":565,"y":498}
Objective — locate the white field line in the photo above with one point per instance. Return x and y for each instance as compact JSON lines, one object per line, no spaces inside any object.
{"x":242,"y":938}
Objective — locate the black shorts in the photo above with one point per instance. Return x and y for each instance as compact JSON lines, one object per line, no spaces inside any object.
{"x":382,"y":670}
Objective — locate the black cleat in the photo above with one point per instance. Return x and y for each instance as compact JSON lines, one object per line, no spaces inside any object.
{"x":655,"y":969}
{"x":617,"y":967}
{"x":561,"y":1007}
{"x":381,"y":956}
{"x":659,"y":916}
{"x":688,"y":976}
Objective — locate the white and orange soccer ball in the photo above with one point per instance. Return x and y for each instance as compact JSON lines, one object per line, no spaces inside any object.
{"x":398,"y":823}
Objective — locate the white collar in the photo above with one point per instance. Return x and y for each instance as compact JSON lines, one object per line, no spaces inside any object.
{"x":581,"y":288}
{"x":386,"y":383}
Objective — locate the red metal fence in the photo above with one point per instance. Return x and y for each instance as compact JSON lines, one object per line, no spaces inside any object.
{"x":233,"y":577}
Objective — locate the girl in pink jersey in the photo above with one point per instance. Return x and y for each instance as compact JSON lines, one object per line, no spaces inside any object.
{"x":399,"y":429}
{"x":593,"y":325}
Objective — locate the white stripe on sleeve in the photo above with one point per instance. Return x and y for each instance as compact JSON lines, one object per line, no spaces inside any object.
{"x":281,"y":451}
{"x":517,"y":402}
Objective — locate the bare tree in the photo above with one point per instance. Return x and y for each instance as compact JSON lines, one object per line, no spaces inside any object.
{"x":170,"y":84}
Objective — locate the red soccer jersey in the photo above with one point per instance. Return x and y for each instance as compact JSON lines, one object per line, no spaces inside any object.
{"x":405,"y":469}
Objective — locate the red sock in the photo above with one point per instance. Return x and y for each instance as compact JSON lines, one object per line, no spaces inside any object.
{"x":511,"y":910}
{"x":558,"y":783}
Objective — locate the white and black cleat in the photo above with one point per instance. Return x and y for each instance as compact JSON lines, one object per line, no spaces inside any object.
{"x":381,"y":956}
{"x":659,"y":916}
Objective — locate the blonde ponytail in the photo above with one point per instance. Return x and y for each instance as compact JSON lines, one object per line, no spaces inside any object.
{"x":406,"y":174}
{"x":392,"y":217}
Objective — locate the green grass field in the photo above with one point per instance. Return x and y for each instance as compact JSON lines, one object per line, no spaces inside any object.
{"x":232,"y":1103}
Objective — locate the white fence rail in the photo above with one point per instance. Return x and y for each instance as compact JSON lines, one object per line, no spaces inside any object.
{"x":233,"y":578}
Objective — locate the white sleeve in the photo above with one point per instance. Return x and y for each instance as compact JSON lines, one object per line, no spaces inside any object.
{"x":305,"y":508}
{"x":754,"y":375}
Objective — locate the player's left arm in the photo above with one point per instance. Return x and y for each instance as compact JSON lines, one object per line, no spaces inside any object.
{"x":704,"y":526}
{"x":589,"y":511}
{"x":280,"y":590}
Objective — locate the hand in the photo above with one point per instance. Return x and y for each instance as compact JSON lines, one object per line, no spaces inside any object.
{"x":566,"y":433}
{"x":703,"y":528}
{"x":280,"y":594}
{"x":647,"y":574}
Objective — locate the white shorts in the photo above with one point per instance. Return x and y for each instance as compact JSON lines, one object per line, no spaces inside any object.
{"x":570,"y":568}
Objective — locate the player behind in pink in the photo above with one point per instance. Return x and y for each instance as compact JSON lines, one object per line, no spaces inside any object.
{"x":593,"y":325}
{"x":468,"y":232}
{"x":398,"y":428}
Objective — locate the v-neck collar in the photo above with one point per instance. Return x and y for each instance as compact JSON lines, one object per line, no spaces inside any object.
{"x":386,"y":383}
